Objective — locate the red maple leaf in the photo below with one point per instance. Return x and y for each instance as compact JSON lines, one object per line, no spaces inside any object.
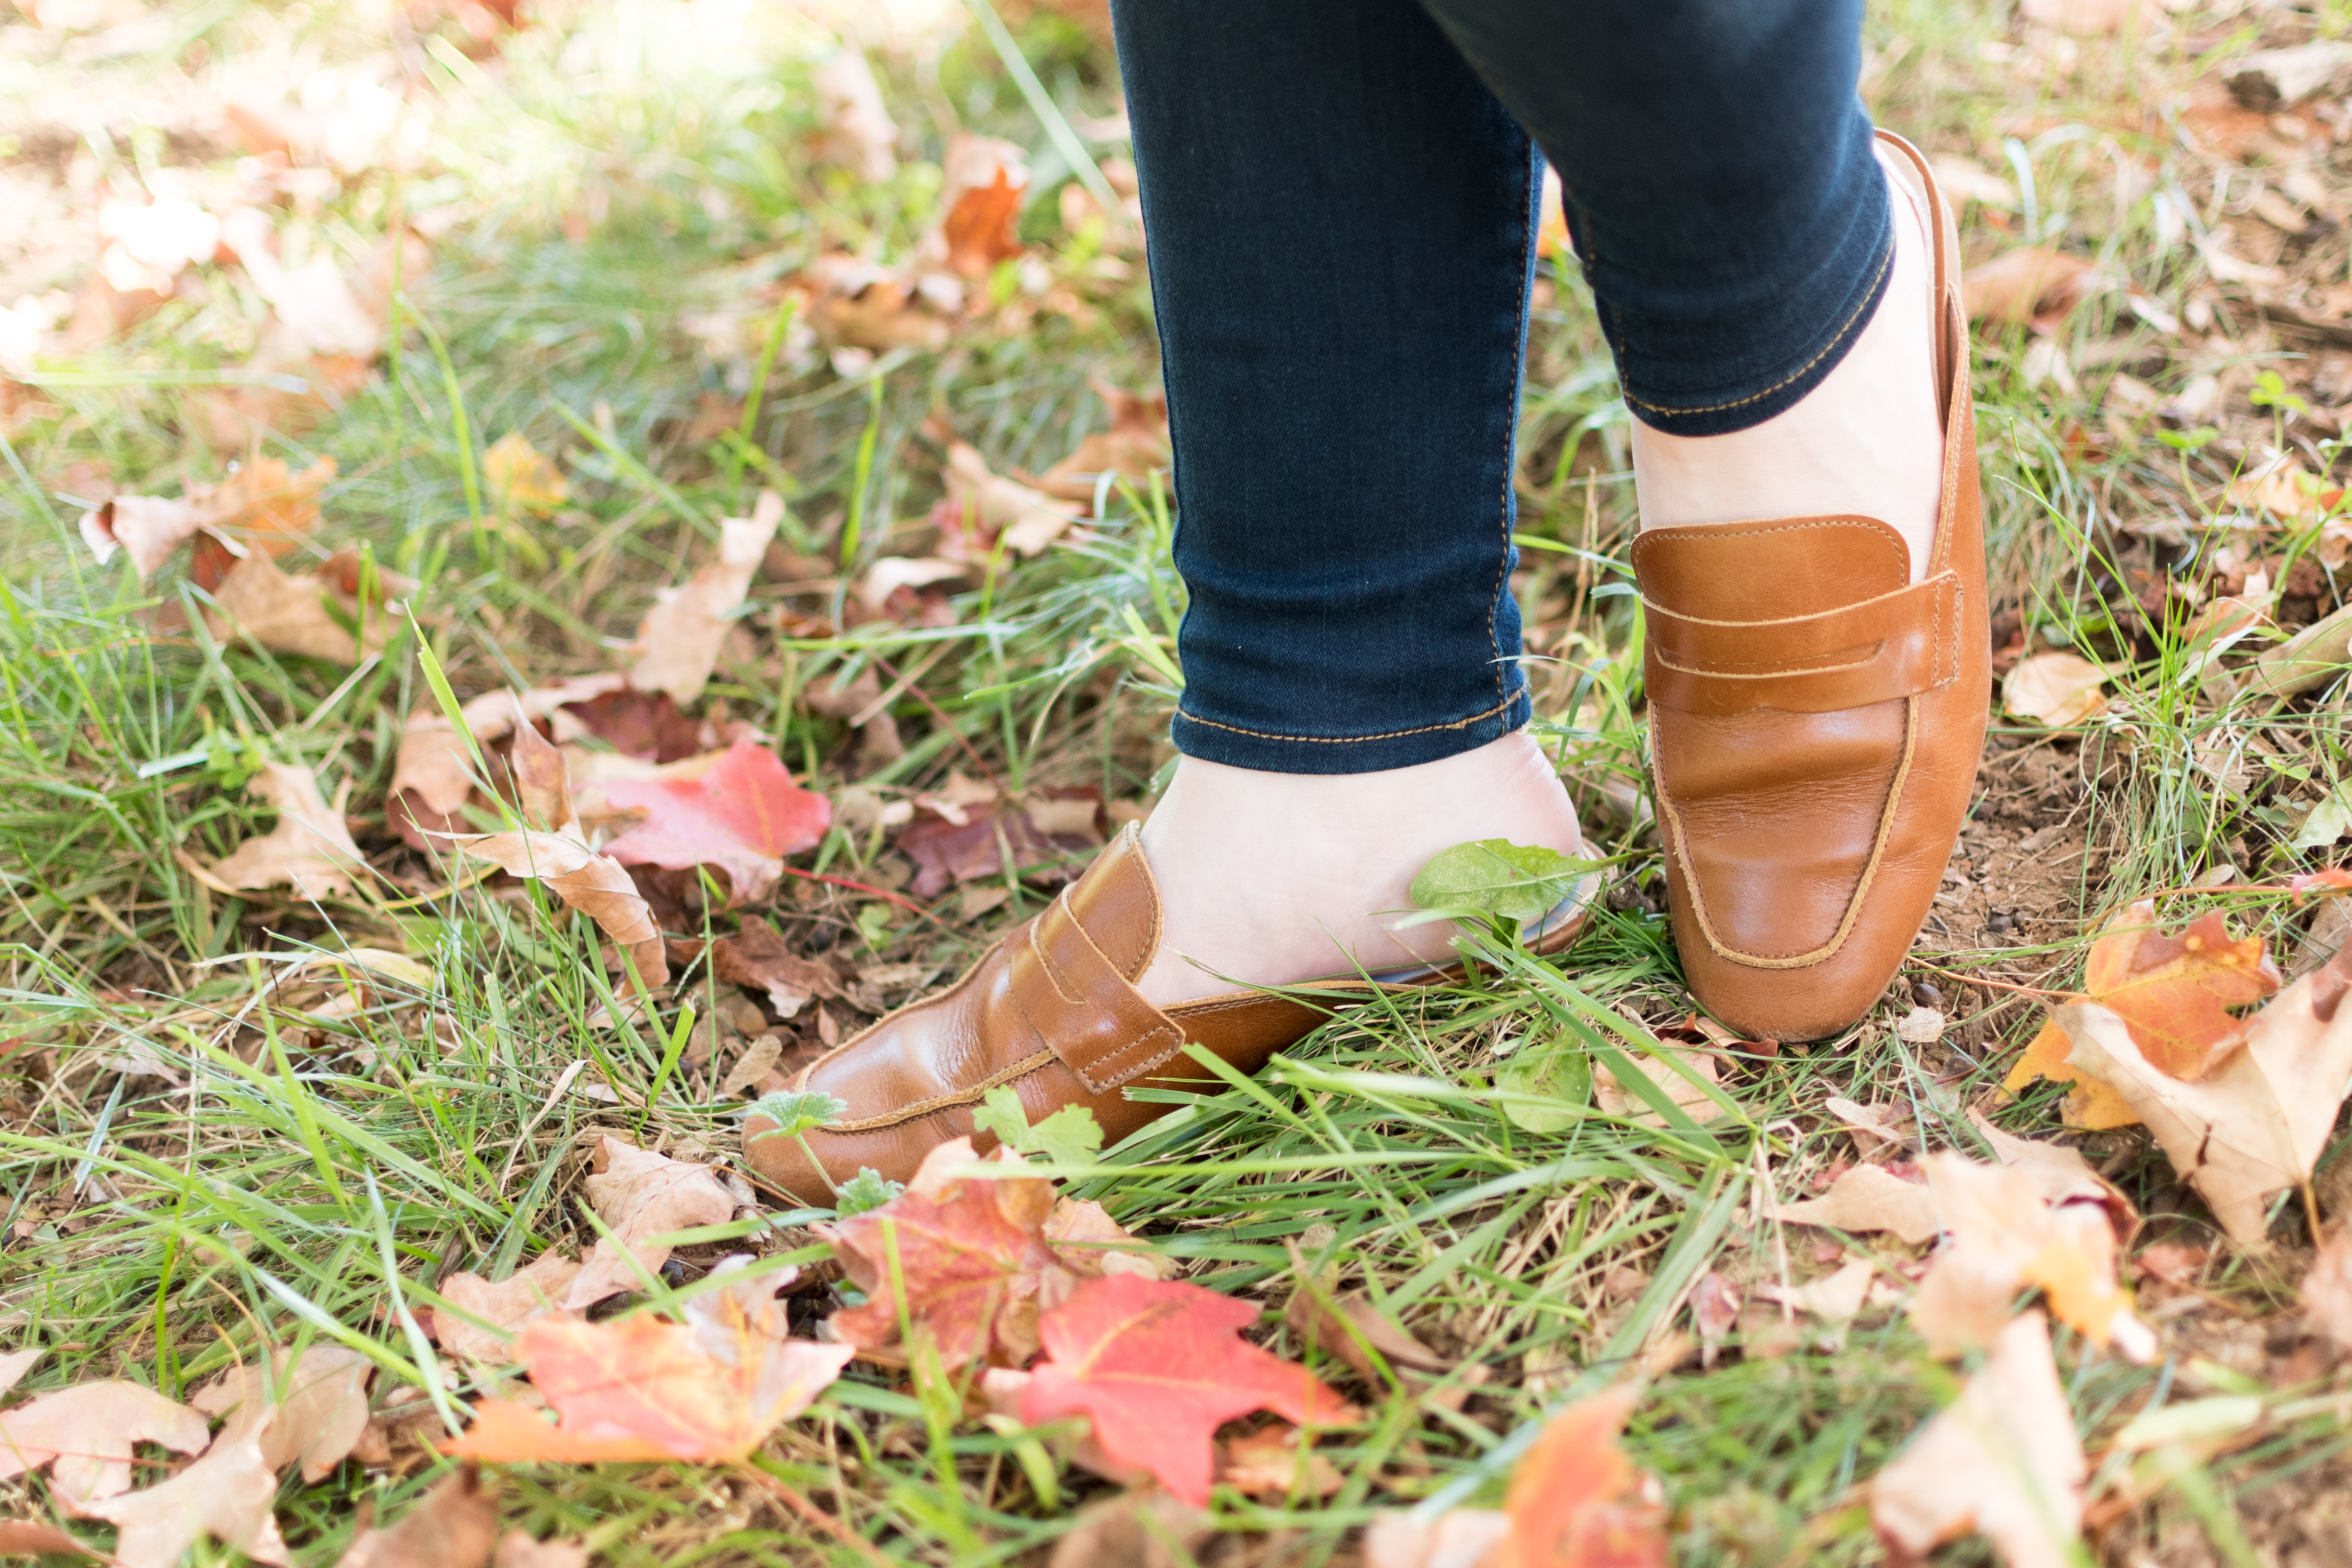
{"x":1159,"y":1365}
{"x":744,"y":817}
{"x":964,"y":1254}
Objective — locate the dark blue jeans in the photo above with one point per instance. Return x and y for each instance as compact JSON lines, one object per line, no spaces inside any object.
{"x":1341,"y":201}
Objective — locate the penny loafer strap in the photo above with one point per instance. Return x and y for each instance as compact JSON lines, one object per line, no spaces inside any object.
{"x":1894,"y":646}
{"x":1079,"y":1003}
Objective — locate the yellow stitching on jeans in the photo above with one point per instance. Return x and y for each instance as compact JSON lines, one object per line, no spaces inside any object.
{"x":1797,"y":374}
{"x":1348,"y":740}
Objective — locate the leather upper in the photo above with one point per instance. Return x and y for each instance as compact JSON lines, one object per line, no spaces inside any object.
{"x":1816,"y":720}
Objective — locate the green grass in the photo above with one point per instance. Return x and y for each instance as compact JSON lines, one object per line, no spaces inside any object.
{"x":305,"y":1177}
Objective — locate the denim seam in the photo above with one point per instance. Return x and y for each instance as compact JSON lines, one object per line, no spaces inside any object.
{"x":1348,"y":740}
{"x":1845,"y":330}
{"x":1529,"y":235}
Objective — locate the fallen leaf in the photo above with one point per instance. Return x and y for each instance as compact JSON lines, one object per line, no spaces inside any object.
{"x":707,"y":1390}
{"x":315,"y":615}
{"x":316,"y":301}
{"x":1459,"y":1537}
{"x":1135,"y":445}
{"x":519,"y":1550}
{"x":430,"y":776}
{"x":1714,"y":1306}
{"x":2002,"y":1236}
{"x":452,"y":1526}
{"x":152,"y":243}
{"x":2029,"y":282}
{"x":315,"y":1409}
{"x":759,"y":958}
{"x":983,"y":510}
{"x":963,"y":1249}
{"x":2172,"y":991}
{"x":90,"y":1431}
{"x":147,"y":528}
{"x":310,"y":849}
{"x":1835,"y":1298}
{"x":2060,"y":1174}
{"x":506,"y":1304}
{"x":965,"y":844}
{"x":2270,"y":80}
{"x":2255,"y":1124}
{"x":1272,"y":1462}
{"x":1088,"y":1242}
{"x":860,"y":132}
{"x":758,"y":1059}
{"x":1353,"y":1327}
{"x":16,"y":1364}
{"x":2283,"y":487}
{"x":263,"y":506}
{"x":29,"y":1537}
{"x":1867,"y":1198}
{"x":639,"y":1195}
{"x":1617,"y":1099}
{"x":1877,"y":1125}
{"x":679,"y":639}
{"x":1135,"y":1529}
{"x":2002,"y":1460}
{"x":744,"y":816}
{"x":1158,"y":1365}
{"x":1576,"y":1498}
{"x":225,"y":1495}
{"x":2059,"y":690}
{"x":519,"y":478}
{"x":979,"y":205}
{"x":596,"y":885}
{"x":2327,"y":1288}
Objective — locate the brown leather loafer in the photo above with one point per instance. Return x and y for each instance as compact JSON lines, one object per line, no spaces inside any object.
{"x":1815,"y":721}
{"x":1053,"y":1010}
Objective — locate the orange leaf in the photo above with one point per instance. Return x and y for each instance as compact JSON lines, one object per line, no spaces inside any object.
{"x":1159,"y":1365}
{"x":2173,"y":991}
{"x":979,"y":229}
{"x":963,"y":1253}
{"x":1575,"y":1499}
{"x":708,"y":1390}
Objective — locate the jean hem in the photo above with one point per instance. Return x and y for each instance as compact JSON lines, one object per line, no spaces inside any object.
{"x":1214,"y":742}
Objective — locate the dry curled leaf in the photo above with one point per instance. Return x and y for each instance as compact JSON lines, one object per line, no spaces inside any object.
{"x":1619,"y":1099}
{"x":452,"y":1526}
{"x":640,"y":1195}
{"x":89,"y":1432}
{"x":431,"y":774}
{"x":596,"y":885}
{"x":984,"y":179}
{"x":2173,"y":991}
{"x":680,"y":638}
{"x":2002,"y":1236}
{"x":225,"y":1495}
{"x":311,"y":849}
{"x":314,"y":1409}
{"x":1274,"y":1461}
{"x":2059,"y":689}
{"x":1135,"y":445}
{"x":2031,"y":281}
{"x":519,"y":478}
{"x":2003,"y":1461}
{"x":984,"y":510}
{"x":969,"y":1254}
{"x":506,"y":1305}
{"x":2254,"y":1125}
{"x":1868,"y":1198}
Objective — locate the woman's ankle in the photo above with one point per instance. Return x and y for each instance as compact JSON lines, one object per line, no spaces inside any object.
{"x":1867,"y":441}
{"x":1271,"y":879}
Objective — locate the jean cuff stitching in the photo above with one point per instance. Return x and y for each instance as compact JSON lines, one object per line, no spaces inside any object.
{"x":1351,"y":740}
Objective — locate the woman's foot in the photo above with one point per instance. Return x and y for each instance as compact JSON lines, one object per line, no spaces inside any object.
{"x":1867,"y":441}
{"x":1270,"y":879}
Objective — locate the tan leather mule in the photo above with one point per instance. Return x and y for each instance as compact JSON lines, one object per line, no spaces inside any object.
{"x":1815,"y":721}
{"x":1051,"y":1010}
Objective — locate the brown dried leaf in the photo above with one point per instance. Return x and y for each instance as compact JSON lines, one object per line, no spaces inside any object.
{"x":639,"y":1195}
{"x":225,"y":1495}
{"x":2029,"y":282}
{"x":452,"y":1526}
{"x":596,"y":885}
{"x":508,"y":1304}
{"x":90,"y":1431}
{"x":1089,"y":1242}
{"x":2327,"y":1288}
{"x":2003,"y":1236}
{"x":2003,"y":1460}
{"x":1617,"y":1099}
{"x":1867,"y":1198}
{"x":311,"y":849}
{"x":1271,"y":1462}
{"x":860,"y":132}
{"x":430,"y":776}
{"x":2059,"y":689}
{"x":679,"y":639}
{"x":291,"y":614}
{"x":312,"y":1411}
{"x":982,"y":508}
{"x":2256,"y":1123}
{"x":1351,"y":1328}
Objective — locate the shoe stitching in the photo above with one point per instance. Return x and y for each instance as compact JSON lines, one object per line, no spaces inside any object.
{"x":923,"y":1107}
{"x":1348,"y":740}
{"x":1836,"y":344}
{"x":1945,"y":585}
{"x":1716,"y":533}
{"x":1861,"y":887}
